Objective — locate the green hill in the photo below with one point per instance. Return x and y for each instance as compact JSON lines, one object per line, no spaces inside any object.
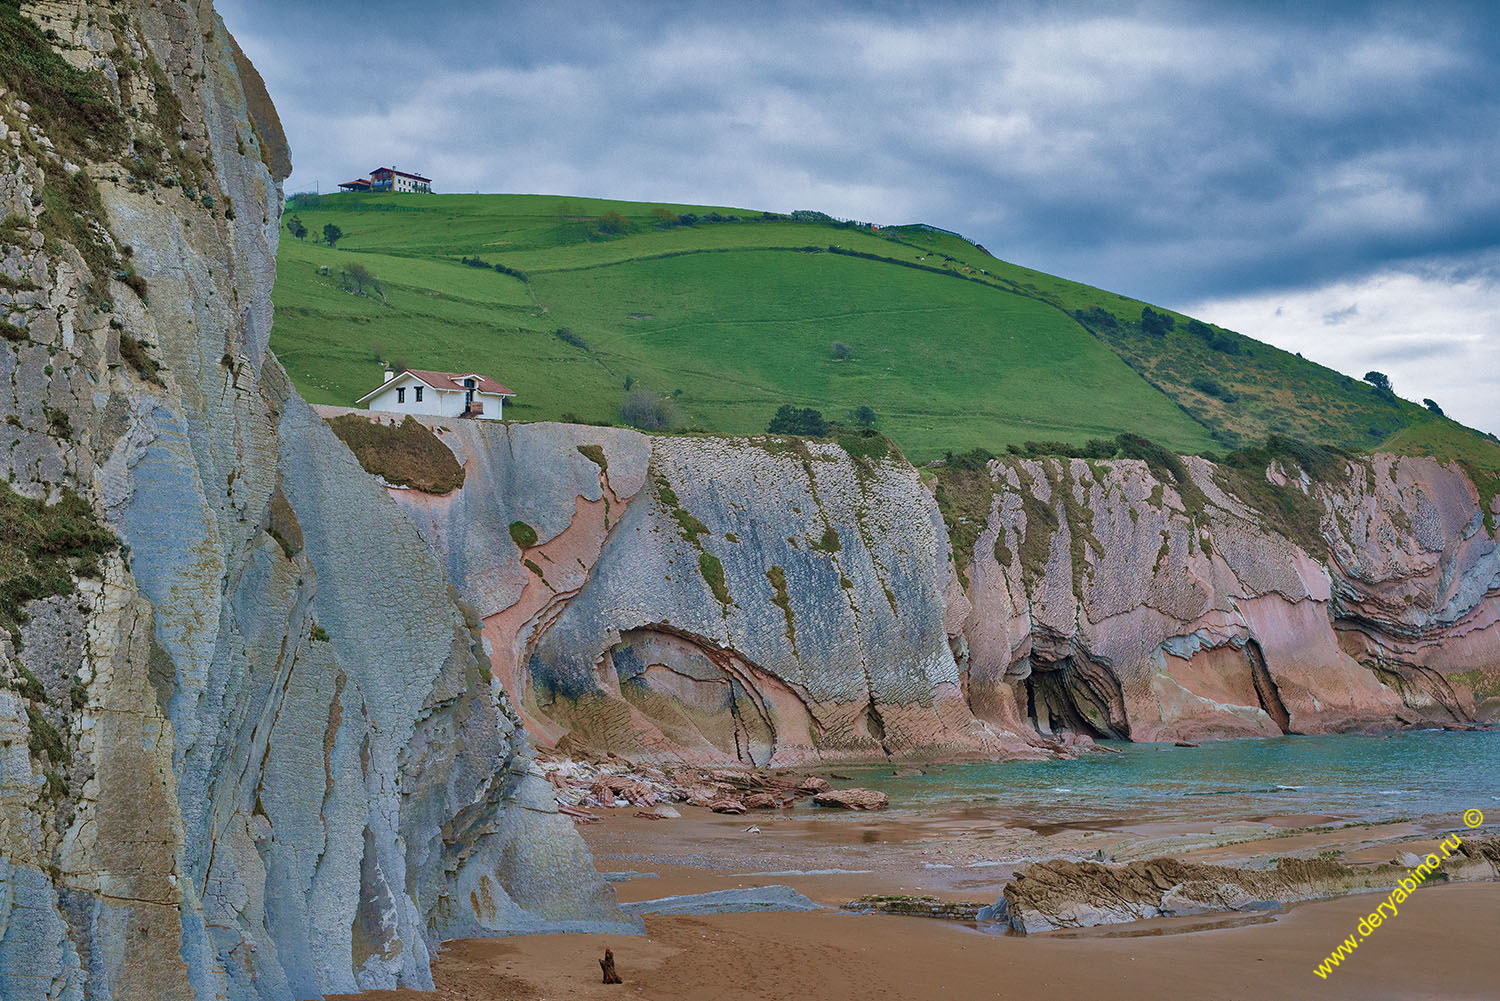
{"x":732,"y":313}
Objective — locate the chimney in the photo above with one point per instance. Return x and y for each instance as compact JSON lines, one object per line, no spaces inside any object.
{"x":389,"y":375}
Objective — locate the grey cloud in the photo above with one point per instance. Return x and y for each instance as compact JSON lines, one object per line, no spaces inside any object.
{"x":1427,"y":349}
{"x":1336,"y":316}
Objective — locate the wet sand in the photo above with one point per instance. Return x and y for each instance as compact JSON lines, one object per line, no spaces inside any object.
{"x":1441,"y":946}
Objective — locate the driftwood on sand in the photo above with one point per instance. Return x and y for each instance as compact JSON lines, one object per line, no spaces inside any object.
{"x":607,"y":964}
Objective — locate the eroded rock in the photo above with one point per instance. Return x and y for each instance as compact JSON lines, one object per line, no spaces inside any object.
{"x":853,"y":799}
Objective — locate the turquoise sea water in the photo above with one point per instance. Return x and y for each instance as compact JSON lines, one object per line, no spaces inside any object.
{"x":1355,"y":777}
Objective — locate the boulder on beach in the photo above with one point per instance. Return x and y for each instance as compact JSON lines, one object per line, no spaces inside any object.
{"x":727,"y":804}
{"x":853,"y":799}
{"x":764,"y":801}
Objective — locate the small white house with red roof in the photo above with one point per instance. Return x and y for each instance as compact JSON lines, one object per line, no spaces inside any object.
{"x":439,"y":394}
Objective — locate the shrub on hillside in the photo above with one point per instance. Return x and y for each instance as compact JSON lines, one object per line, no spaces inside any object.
{"x":974,"y":459}
{"x":842,"y":351}
{"x":647,"y":410}
{"x":799,"y":421}
{"x":1380,"y":381}
{"x":1156,"y":324}
{"x":406,"y":455}
{"x":1097,"y":319}
{"x":1431,"y":404}
{"x":864,"y":416}
{"x":1211,"y":387}
{"x":1226,"y":342}
{"x":612,"y":223}
{"x":567,"y":336}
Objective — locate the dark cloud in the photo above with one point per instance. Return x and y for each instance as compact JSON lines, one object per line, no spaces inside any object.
{"x":1175,"y":152}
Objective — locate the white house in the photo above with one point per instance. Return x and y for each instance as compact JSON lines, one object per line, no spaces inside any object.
{"x":439,"y":394}
{"x":399,"y":181}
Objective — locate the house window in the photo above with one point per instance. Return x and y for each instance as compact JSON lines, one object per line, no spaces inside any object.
{"x":401,"y":395}
{"x":419,"y":394}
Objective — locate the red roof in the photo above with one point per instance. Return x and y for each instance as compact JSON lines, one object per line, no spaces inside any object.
{"x":363,"y":182}
{"x":447,"y":381}
{"x":455,"y":380}
{"x":393,"y":170}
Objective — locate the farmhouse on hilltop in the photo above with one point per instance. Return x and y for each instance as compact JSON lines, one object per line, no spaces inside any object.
{"x":390,"y":179}
{"x":439,"y":394}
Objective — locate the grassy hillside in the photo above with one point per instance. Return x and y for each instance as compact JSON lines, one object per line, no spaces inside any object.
{"x":738,"y":312}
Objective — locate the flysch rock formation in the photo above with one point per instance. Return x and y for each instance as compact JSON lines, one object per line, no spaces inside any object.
{"x":707,"y":599}
{"x":774,"y":602}
{"x":260,"y":753}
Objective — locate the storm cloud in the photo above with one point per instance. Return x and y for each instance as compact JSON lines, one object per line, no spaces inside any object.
{"x":1176,"y":155}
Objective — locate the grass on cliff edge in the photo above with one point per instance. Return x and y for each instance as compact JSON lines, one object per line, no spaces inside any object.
{"x":952,"y":348}
{"x":406,"y":455}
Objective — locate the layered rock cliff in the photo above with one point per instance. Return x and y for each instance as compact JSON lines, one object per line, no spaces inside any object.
{"x":773,"y":601}
{"x":250,"y":743}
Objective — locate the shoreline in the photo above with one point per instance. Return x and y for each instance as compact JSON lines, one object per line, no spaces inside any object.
{"x":1439,"y":948}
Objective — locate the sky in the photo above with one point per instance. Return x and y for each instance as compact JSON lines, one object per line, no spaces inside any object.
{"x":1319,"y":176}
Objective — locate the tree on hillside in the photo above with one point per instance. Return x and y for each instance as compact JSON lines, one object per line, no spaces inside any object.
{"x":363,"y":281}
{"x":1432,"y":405}
{"x":647,"y":410}
{"x":802,"y":421}
{"x":1380,"y":381}
{"x":332,"y":234}
{"x":295,"y":227}
{"x":864,"y":416}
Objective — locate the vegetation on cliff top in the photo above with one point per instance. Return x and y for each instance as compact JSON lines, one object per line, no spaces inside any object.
{"x":405,"y":455}
{"x":736,"y":309}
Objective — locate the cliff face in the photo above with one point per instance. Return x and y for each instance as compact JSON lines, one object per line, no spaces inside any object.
{"x":773,"y":602}
{"x":713,"y":599}
{"x":1109,"y":602}
{"x":226,"y":768}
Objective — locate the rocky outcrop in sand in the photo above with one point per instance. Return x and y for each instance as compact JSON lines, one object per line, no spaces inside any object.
{"x":770,"y":601}
{"x":259,"y":754}
{"x":1045,"y":896}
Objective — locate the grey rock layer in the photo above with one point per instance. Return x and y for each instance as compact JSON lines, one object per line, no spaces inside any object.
{"x":282,"y":774}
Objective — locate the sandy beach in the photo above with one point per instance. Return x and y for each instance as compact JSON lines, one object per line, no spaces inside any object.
{"x":1440,"y":947}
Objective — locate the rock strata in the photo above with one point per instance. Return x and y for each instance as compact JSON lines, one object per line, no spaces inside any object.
{"x":774,"y":602}
{"x":1045,"y":896}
